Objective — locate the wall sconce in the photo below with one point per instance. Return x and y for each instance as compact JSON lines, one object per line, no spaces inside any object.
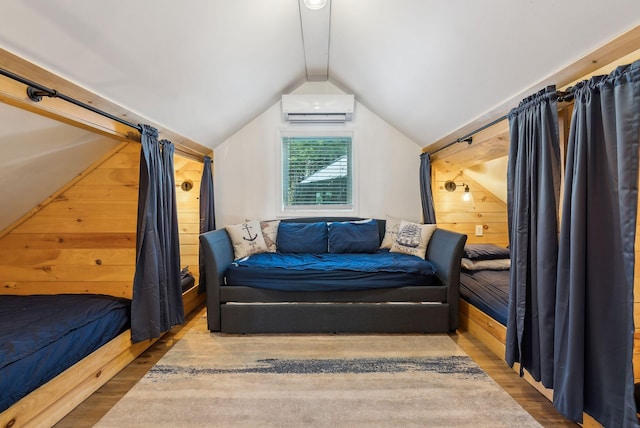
{"x":467,"y":196}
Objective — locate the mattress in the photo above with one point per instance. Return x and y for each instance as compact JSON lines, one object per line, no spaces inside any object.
{"x":41,"y":336}
{"x":330,"y":272}
{"x":487,"y":290}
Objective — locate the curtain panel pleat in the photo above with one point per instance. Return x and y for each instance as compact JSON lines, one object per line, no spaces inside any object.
{"x":207,"y":214}
{"x":533,"y":188}
{"x":156,"y":304}
{"x":594,"y":313}
{"x":426,"y":194}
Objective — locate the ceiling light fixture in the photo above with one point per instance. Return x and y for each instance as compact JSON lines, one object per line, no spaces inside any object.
{"x":315,"y":4}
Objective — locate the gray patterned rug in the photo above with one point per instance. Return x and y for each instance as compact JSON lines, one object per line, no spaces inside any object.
{"x":209,"y":380}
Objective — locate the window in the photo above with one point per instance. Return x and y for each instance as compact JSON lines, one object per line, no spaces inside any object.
{"x":317,"y":172}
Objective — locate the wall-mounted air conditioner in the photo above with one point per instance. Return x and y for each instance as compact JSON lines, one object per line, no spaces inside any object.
{"x":322,"y":108}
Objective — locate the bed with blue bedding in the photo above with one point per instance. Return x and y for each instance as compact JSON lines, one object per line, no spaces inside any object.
{"x":331,"y":272}
{"x":487,"y":290}
{"x":343,"y":286}
{"x":43,"y":335}
{"x":484,"y":279}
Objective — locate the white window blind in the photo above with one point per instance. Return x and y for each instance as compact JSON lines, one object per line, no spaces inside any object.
{"x":317,"y":172}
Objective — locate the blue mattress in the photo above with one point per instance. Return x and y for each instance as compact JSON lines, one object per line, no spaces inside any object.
{"x":329,"y":272}
{"x":41,"y":336}
{"x":487,"y":290}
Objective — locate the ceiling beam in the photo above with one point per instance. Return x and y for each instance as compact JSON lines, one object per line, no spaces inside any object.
{"x":315,"y":26}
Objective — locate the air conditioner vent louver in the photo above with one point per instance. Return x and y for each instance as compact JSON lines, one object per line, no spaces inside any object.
{"x":322,"y":108}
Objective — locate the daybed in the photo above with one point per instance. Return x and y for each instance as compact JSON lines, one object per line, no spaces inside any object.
{"x":425,"y":304}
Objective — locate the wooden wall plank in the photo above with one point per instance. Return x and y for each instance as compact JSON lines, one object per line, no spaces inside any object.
{"x":188,"y":216}
{"x":122,"y":289}
{"x":189,"y":212}
{"x":69,"y":240}
{"x":91,"y":208}
{"x":454,"y":214}
{"x":66,"y":273}
{"x":83,"y":240}
{"x":63,"y":224}
{"x":80,"y":241}
{"x":123,"y":160}
{"x":189,"y":239}
{"x":72,"y":257}
{"x":101,"y":193}
{"x":112,"y":176}
{"x":188,"y":249}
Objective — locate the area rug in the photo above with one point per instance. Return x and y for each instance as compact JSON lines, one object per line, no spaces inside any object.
{"x":210,"y":380}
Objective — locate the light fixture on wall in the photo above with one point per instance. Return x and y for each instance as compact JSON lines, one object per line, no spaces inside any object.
{"x":467,"y":196}
{"x":315,"y":4}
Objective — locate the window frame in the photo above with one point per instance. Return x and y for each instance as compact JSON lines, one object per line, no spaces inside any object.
{"x":315,"y":210}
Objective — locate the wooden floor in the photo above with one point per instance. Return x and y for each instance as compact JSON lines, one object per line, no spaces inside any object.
{"x":93,"y":408}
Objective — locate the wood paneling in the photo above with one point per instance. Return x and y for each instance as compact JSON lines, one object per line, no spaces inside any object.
{"x":68,"y":240}
{"x":189,"y":212}
{"x":454,"y":214}
{"x":488,"y":144}
{"x":82,"y":240}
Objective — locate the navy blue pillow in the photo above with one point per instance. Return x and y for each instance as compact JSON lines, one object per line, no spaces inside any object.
{"x":485,"y":252}
{"x":354,"y":237}
{"x":302,"y":237}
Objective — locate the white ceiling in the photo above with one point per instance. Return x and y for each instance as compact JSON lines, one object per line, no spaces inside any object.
{"x":39,"y":156}
{"x":204,"y":68}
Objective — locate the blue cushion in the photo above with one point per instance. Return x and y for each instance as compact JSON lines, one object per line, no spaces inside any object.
{"x":302,"y":237}
{"x":485,"y":252}
{"x":354,"y":237}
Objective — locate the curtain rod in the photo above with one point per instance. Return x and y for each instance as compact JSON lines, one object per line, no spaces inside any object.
{"x":36,"y":91}
{"x":468,"y":138}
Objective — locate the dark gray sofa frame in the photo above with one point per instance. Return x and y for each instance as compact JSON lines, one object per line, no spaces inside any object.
{"x":432,"y":309}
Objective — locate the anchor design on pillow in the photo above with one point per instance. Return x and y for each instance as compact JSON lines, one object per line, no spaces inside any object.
{"x":248,"y":229}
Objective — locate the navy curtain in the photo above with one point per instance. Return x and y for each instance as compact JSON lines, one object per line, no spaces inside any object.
{"x":157,"y":293}
{"x":533,"y":188}
{"x":594,"y":312}
{"x":207,"y":214}
{"x":426,"y":195}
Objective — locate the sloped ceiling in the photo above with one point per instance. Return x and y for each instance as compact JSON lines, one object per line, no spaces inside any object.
{"x":39,"y":156}
{"x":204,"y":68}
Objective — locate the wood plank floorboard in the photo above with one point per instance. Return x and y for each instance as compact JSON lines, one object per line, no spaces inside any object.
{"x":98,"y":404}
